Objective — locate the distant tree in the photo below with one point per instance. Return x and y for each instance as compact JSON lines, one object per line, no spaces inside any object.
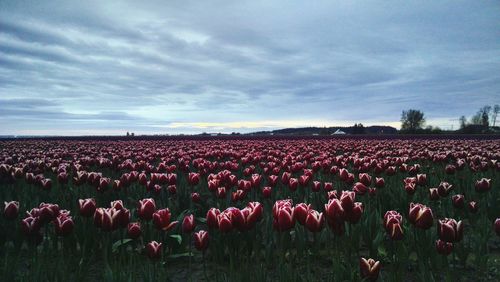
{"x":485,"y":114}
{"x":358,"y":128}
{"x":496,"y":109}
{"x":476,"y":119}
{"x":412,"y":120}
{"x":463,"y":122}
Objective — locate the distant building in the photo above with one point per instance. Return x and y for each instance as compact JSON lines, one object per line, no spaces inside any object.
{"x":339,"y":132}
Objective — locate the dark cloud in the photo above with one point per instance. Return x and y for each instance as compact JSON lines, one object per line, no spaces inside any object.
{"x":190,"y":65}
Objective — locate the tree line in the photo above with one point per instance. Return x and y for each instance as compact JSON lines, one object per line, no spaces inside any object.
{"x":484,"y":121}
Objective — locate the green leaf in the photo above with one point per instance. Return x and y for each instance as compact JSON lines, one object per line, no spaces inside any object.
{"x":120,"y":243}
{"x":201,"y":219}
{"x":180,"y":255}
{"x":177,"y":237}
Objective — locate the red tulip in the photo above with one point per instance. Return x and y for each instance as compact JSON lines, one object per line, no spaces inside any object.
{"x":153,"y":250}
{"x":293,"y":184}
{"x":30,"y":225}
{"x":433,"y":194}
{"x":410,"y":188}
{"x":46,"y":183}
{"x":497,"y":226}
{"x":224,"y":222}
{"x":391,"y":170}
{"x":444,"y":189}
{"x":118,"y":204}
{"x":365,"y":178}
{"x":420,"y":216}
{"x":354,"y":215}
{"x":316,"y":186}
{"x":283,"y":215}
{"x":458,"y":201}
{"x":450,"y":169}
{"x":314,"y":221}
{"x":107,"y":219}
{"x":195,"y":197}
{"x":483,"y":185}
{"x":134,"y":230}
{"x":421,"y":179}
{"x":161,"y":220}
{"x":359,"y":188}
{"x":64,"y":225}
{"x":473,"y":207}
{"x":193,"y":178}
{"x":372,"y":191}
{"x":212,"y":215}
{"x":62,"y":178}
{"x":11,"y":210}
{"x":343,"y":174}
{"x":285,"y":177}
{"x":379,"y":182}
{"x":328,"y":186}
{"x":332,"y":195}
{"x":301,"y":210}
{"x":369,"y":269}
{"x":48,"y":212}
{"x":188,"y":224}
{"x":347,"y":200}
{"x":221,"y":192}
{"x":334,"y":210}
{"x":272,"y":180}
{"x":393,"y":222}
{"x":201,"y":240}
{"x":266,"y":192}
{"x":449,"y":230}
{"x":146,"y":208}
{"x":444,"y":248}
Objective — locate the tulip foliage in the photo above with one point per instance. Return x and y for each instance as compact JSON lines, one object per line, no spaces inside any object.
{"x":249,"y":209}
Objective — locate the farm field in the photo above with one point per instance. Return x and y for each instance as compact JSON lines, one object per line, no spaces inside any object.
{"x":250,"y":210}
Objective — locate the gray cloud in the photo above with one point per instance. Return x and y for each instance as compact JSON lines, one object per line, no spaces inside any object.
{"x":119,"y":65}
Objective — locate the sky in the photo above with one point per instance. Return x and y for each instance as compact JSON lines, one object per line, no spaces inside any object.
{"x":168,"y":67}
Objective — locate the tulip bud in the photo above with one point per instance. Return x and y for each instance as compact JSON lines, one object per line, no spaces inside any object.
{"x":393,"y":222}
{"x":266,"y":192}
{"x":433,"y":194}
{"x":328,"y":186}
{"x":379,"y":182}
{"x":188,"y":224}
{"x":497,"y":226}
{"x":354,"y":215}
{"x":449,"y":230}
{"x":11,"y":210}
{"x":421,"y":179}
{"x":193,"y":178}
{"x":316,"y":186}
{"x":365,"y":178}
{"x":369,"y":269}
{"x":134,"y":230}
{"x":420,"y":216}
{"x":483,"y":185}
{"x":458,"y":201}
{"x":293,"y":184}
{"x":195,"y":197}
{"x":46,"y":183}
{"x":301,"y":211}
{"x":360,"y":188}
{"x":146,"y":208}
{"x":161,"y":220}
{"x":283,"y":215}
{"x":372,"y":191}
{"x":473,"y":207}
{"x":334,"y":209}
{"x":347,"y":199}
{"x":224,"y":222}
{"x":444,"y":189}
{"x":30,"y":225}
{"x":153,"y":250}
{"x":201,"y":240}
{"x":444,"y":248}
{"x":64,"y":225}
{"x":314,"y":221}
{"x":450,"y":169}
{"x":212,"y":215}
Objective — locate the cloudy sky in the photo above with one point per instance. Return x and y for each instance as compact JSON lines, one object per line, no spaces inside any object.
{"x":107,"y":67}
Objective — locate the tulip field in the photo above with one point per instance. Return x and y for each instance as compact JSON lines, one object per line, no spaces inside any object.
{"x":275,"y":209}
